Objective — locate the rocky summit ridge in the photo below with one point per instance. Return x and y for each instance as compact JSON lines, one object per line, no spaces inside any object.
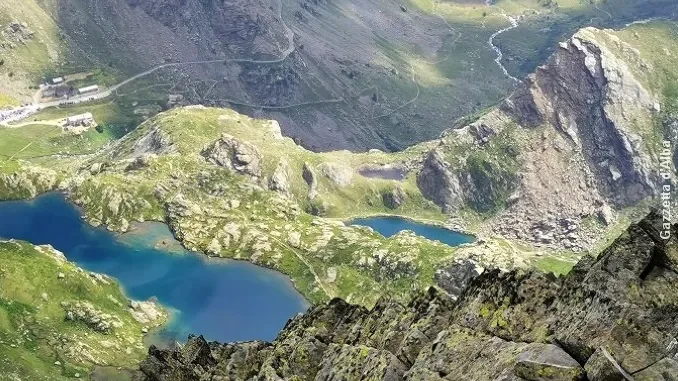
{"x":611,"y":318}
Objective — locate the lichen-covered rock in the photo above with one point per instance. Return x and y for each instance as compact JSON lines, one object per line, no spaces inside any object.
{"x":602,"y":366}
{"x":345,"y":362}
{"x":455,"y":277}
{"x":547,"y":362}
{"x":664,"y":370}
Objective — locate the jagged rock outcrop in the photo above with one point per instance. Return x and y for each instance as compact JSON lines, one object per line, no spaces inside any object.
{"x":242,"y":157}
{"x":455,"y":277}
{"x":481,"y":182}
{"x":155,"y":141}
{"x":280,"y":179}
{"x":394,"y":198}
{"x":437,"y":183}
{"x":86,"y":313}
{"x":311,"y":180}
{"x":14,"y":34}
{"x":27,"y":182}
{"x":610,"y":317}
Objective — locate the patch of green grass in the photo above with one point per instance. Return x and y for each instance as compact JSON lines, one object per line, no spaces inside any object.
{"x":554,"y":265}
{"x":194,"y":129}
{"x":8,"y":101}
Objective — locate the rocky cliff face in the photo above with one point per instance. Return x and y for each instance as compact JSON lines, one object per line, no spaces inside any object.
{"x":589,"y":93}
{"x":613,"y":318}
{"x":576,"y":141}
{"x":27,"y":182}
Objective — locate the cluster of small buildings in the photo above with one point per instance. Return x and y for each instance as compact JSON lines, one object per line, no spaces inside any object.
{"x":58,"y":87}
{"x":79,"y":123}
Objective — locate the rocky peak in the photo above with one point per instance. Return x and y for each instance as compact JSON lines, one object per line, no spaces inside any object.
{"x":573,"y":144}
{"x":589,"y":92}
{"x":610,"y":318}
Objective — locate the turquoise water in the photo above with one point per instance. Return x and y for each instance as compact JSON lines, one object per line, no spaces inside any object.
{"x":220,"y":299}
{"x":388,"y":226}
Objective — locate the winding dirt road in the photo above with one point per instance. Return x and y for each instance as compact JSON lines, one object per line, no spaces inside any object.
{"x":25,"y":111}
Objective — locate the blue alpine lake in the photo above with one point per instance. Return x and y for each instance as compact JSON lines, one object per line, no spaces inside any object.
{"x":223,"y":300}
{"x":389,"y":226}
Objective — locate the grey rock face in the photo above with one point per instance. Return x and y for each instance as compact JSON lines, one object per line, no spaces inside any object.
{"x":436,"y":183}
{"x":395,"y":198}
{"x":279,"y":180}
{"x":577,"y":135}
{"x":664,"y":370}
{"x":598,"y":323}
{"x":155,"y":141}
{"x":310,"y":178}
{"x":547,"y":362}
{"x":456,"y":277}
{"x":591,"y":96}
{"x":602,"y":366}
{"x":241,"y":157}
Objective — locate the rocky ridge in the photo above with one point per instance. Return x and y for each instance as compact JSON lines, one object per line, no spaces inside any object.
{"x":611,"y":318}
{"x":574,"y":145}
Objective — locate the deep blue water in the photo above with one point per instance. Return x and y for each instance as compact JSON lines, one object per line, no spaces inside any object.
{"x":221,"y":299}
{"x":388,"y":226}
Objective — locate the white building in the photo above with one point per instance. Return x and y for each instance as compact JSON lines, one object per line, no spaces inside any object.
{"x":57,"y":80}
{"x":80,"y":120}
{"x":88,"y":89}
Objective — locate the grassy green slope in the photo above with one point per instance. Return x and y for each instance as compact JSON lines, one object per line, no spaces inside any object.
{"x":214,"y":210}
{"x":27,"y":61}
{"x":193,"y":129}
{"x":37,"y":342}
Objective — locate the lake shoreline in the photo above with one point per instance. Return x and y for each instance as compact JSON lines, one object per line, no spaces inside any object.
{"x":257,"y":301}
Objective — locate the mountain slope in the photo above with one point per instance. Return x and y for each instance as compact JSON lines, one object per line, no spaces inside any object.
{"x":577,"y":143}
{"x":539,"y":187}
{"x":610,"y":319}
{"x":357,"y":75}
{"x":58,"y":321}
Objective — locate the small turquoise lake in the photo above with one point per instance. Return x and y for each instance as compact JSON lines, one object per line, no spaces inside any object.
{"x":221,"y":299}
{"x":389,"y":226}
